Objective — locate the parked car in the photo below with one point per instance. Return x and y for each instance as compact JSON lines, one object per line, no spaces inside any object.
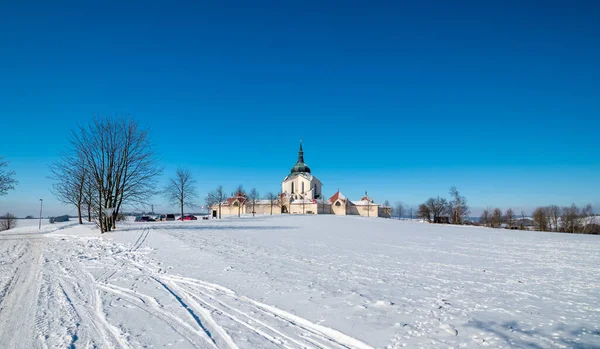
{"x":161,"y":217}
{"x":170,"y":217}
{"x":144,"y":219}
{"x":188,"y":217}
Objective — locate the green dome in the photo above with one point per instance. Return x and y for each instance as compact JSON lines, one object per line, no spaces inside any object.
{"x":300,"y":166}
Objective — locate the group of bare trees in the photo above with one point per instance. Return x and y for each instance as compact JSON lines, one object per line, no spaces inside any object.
{"x":437,"y":209}
{"x":7,"y":221}
{"x":568,"y":219}
{"x":494,"y":218}
{"x":109,"y":163}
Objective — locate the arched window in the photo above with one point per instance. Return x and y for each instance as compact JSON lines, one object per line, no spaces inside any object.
{"x":338,"y":204}
{"x":302,"y":187}
{"x":292,"y":187}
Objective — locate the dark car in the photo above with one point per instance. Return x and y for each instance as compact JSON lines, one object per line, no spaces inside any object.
{"x":188,"y":217}
{"x":144,"y":219}
{"x":170,"y":217}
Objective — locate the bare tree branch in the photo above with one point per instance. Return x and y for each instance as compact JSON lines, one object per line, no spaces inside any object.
{"x":7,"y":180}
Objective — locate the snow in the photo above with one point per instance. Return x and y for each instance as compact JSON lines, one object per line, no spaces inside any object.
{"x":296,"y":282}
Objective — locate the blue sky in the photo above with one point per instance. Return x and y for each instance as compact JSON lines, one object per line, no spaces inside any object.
{"x":402,"y":99}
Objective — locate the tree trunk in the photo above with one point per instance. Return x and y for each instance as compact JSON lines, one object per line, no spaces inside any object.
{"x":182,"y":210}
{"x":79,"y":213}
{"x":219,"y":211}
{"x":89,"y":213}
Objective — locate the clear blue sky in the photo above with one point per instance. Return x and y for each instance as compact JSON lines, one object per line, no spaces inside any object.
{"x":403,"y":99}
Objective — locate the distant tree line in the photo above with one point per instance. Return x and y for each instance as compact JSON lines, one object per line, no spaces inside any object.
{"x":568,"y":219}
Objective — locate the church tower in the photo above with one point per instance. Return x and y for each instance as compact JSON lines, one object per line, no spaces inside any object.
{"x":300,"y":183}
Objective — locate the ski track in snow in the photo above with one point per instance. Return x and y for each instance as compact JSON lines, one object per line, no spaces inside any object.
{"x":67,"y":287}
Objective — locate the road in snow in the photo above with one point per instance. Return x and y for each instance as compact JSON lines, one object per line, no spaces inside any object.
{"x":297,"y":282}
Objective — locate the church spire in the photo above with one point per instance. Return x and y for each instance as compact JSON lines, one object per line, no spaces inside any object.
{"x":300,"y":153}
{"x":300,"y":166}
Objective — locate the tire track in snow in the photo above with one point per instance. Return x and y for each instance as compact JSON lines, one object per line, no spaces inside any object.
{"x":324,"y":335}
{"x":327,"y":335}
{"x":152,"y":307}
{"x":18,"y":304}
{"x":71,"y":293}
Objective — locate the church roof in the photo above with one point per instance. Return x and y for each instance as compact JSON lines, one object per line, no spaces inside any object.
{"x":337,"y":196}
{"x":300,"y":166}
{"x":308,"y":176}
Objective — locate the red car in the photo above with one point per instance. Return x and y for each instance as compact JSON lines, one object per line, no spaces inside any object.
{"x":188,"y":217}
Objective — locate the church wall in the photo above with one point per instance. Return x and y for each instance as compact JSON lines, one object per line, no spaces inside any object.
{"x":324,"y":209}
{"x":308,"y":208}
{"x":226,"y":210}
{"x":368,"y":211}
{"x":339,"y":210}
{"x":352,"y":210}
{"x":308,"y":186}
{"x":263,"y":209}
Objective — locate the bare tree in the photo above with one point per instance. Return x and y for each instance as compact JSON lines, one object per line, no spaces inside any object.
{"x":7,"y":178}
{"x":88,"y":196}
{"x":399,"y":209}
{"x":253,"y":198}
{"x":69,"y":181}
{"x":570,"y":219}
{"x":120,"y":162}
{"x":410,"y":210}
{"x":386,"y":203}
{"x":240,"y":195}
{"x":281,"y":201}
{"x":368,"y":205}
{"x":437,"y":207}
{"x":216,"y":197}
{"x":457,"y":206}
{"x":181,"y":190}
{"x":586,"y":212}
{"x":303,"y":202}
{"x":8,"y":221}
{"x":509,"y":217}
{"x":496,"y":219}
{"x":424,"y":212}
{"x":540,"y":218}
{"x":322,"y":203}
{"x":272,"y":200}
{"x":485,"y":217}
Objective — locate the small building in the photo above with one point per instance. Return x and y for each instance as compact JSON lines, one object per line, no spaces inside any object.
{"x":442,"y":220}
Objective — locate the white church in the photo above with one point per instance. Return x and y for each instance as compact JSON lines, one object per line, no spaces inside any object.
{"x":301,"y":193}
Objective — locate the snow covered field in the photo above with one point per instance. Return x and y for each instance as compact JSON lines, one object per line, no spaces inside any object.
{"x":297,"y":282}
